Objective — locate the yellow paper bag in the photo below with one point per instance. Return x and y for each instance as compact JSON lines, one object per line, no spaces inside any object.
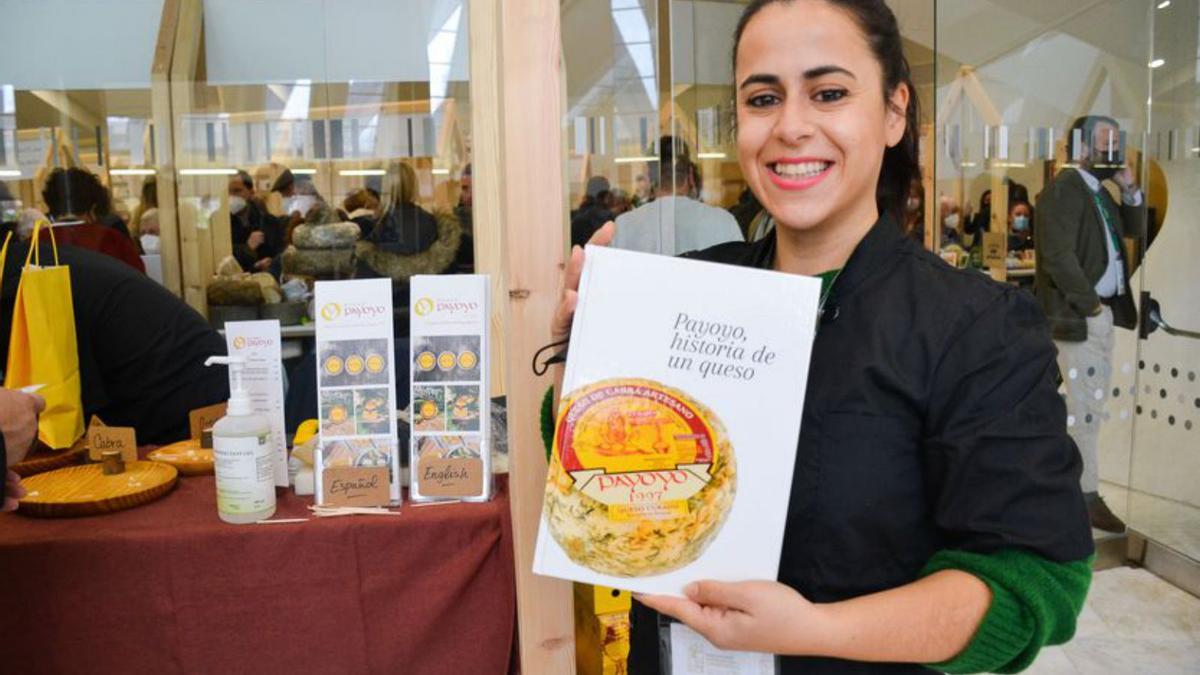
{"x":42,"y":348}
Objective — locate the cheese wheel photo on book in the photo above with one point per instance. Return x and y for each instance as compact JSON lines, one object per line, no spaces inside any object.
{"x":641,"y":478}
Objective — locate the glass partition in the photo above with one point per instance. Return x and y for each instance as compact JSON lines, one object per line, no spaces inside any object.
{"x":91,"y":113}
{"x":339,"y":110}
{"x":650,"y":119}
{"x":1164,"y":497}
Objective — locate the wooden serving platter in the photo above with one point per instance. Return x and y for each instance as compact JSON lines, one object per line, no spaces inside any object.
{"x":42,"y":459}
{"x":86,"y":491}
{"x":186,"y":456}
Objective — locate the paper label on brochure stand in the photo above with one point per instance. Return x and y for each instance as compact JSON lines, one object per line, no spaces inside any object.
{"x":356,"y":394}
{"x":259,"y":343}
{"x":449,"y":442}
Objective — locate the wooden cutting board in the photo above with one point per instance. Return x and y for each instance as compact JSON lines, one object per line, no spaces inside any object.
{"x":42,"y":458}
{"x":187,"y":456}
{"x":86,"y":491}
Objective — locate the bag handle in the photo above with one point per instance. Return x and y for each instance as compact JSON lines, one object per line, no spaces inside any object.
{"x":35,"y":253}
{"x":4,"y":258}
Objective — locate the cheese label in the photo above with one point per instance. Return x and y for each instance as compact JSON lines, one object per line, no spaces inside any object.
{"x":636,"y":447}
{"x":641,"y":479}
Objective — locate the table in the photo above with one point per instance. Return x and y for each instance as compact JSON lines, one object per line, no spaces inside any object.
{"x":169,"y":588}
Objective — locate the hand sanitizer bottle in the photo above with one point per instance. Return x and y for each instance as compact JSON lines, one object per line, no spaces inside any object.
{"x":242,"y":455}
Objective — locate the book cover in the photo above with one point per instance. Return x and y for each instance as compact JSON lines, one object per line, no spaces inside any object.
{"x":677,"y":424}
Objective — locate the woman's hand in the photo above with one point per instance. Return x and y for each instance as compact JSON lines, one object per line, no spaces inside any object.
{"x":757,"y":616}
{"x":13,"y":491}
{"x":19,"y":422}
{"x":560,"y":326}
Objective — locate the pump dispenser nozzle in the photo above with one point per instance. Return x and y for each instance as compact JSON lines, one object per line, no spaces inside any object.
{"x":239,"y":398}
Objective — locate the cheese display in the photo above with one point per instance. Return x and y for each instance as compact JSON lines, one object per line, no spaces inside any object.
{"x":641,"y":478}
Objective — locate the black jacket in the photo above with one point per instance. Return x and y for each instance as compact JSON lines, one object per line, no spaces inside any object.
{"x":254,"y":218}
{"x":141,"y":349}
{"x":1072,"y":254}
{"x":931,"y":421}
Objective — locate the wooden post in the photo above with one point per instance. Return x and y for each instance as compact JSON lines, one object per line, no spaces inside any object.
{"x":487,"y":153}
{"x":532,"y":169}
{"x":164,"y":145}
{"x":195,"y":247}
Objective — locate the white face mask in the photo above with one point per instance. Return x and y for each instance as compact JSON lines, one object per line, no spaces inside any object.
{"x":951,"y":222}
{"x":237,"y":204}
{"x":150,"y":243}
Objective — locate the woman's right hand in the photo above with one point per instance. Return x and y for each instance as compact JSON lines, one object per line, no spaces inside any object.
{"x":564,"y":314}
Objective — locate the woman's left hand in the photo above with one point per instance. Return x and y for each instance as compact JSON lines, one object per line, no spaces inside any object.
{"x":758,"y":616}
{"x":13,"y":491}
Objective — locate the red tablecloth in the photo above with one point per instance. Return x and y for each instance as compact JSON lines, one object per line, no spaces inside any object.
{"x":169,"y":588}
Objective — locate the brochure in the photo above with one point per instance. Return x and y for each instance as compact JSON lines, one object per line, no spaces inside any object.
{"x":258,"y":342}
{"x":357,"y":463}
{"x":449,"y":444}
{"x":677,"y":424}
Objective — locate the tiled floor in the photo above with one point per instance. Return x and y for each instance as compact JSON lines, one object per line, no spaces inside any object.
{"x":1133,"y":622}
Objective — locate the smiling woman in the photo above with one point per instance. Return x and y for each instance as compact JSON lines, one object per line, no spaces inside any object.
{"x":935,"y":515}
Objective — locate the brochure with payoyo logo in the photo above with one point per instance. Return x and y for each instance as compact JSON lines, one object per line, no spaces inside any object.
{"x":259,"y":343}
{"x":450,"y":446}
{"x":357,"y":461}
{"x":677,"y":423}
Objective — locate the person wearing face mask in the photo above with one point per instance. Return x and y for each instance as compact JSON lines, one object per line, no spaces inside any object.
{"x":1082,"y":281}
{"x":951,"y":217}
{"x":1020,"y":226}
{"x":257,"y":235}
{"x":148,"y":232}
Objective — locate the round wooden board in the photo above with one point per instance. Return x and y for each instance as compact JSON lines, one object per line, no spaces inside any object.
{"x":187,"y":456}
{"x":86,"y":491}
{"x":43,"y":459}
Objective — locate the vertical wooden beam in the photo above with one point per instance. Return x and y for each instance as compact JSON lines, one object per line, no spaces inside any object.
{"x":666,"y":79}
{"x":195,"y":247}
{"x":164,"y":140}
{"x":487,"y":153}
{"x":532,"y":170}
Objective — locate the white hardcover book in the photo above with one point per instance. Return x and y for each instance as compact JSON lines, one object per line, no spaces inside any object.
{"x":678,"y":423}
{"x":449,"y":444}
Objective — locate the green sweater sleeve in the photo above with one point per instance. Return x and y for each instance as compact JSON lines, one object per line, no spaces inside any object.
{"x":1035,"y":602}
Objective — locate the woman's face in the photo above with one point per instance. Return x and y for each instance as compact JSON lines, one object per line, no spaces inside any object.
{"x":812,"y":120}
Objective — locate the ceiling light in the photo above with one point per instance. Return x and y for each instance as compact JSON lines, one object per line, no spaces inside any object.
{"x":1164,"y":4}
{"x":711,"y":155}
{"x":631,"y":160}
{"x":10,"y":173}
{"x":304,"y":172}
{"x":131,"y":172}
{"x":362,"y":172}
{"x":1157,"y":63}
{"x":441,"y":172}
